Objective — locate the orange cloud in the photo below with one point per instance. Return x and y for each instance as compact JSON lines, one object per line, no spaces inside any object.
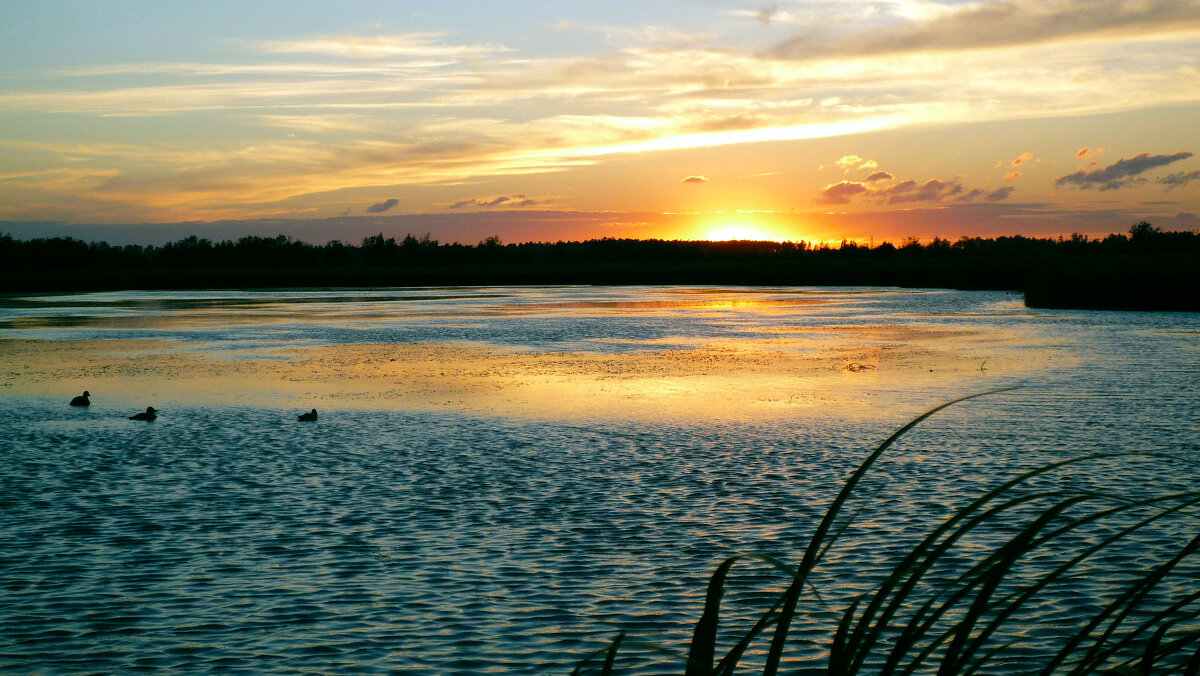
{"x":1012,"y":176}
{"x":840,"y":193}
{"x":1025,"y":157}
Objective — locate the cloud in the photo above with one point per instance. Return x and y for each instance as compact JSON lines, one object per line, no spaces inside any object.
{"x":1012,"y":176}
{"x":848,"y":161}
{"x":930,"y":191}
{"x":901,"y":188}
{"x":382,"y":206}
{"x":879,"y":176}
{"x":1000,"y":194}
{"x":1181,"y":178}
{"x":1025,"y":157}
{"x":695,"y":179}
{"x":424,"y":45}
{"x":840,"y":193}
{"x":1120,"y":174}
{"x":1086,"y":152}
{"x":909,"y":191}
{"x":765,"y":14}
{"x":506,"y":201}
{"x":1006,"y":23}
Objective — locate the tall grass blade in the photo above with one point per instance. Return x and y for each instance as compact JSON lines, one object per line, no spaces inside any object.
{"x":1098,"y":652}
{"x":1163,"y":617}
{"x":838,"y":654}
{"x":921,"y":624}
{"x":1120,"y":608}
{"x":1193,"y":665}
{"x":814,"y":546}
{"x":924,"y":620}
{"x":1153,"y":651}
{"x":922,"y":557}
{"x":704,"y":638}
{"x":962,"y":648}
{"x":1012,"y":603}
{"x":611,"y":656}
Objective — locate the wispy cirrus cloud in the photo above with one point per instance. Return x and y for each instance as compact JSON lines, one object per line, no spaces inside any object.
{"x":421,"y":45}
{"x":1008,"y":23}
{"x":1120,"y":174}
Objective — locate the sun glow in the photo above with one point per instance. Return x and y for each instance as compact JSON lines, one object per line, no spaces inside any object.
{"x":741,"y":226}
{"x":730,"y":232}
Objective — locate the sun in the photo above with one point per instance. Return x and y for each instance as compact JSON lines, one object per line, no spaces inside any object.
{"x":729,"y":232}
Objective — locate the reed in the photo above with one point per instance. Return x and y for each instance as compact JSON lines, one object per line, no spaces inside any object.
{"x":919,"y":619}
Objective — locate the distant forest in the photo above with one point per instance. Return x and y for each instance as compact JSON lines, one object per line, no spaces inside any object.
{"x":1147,"y":269}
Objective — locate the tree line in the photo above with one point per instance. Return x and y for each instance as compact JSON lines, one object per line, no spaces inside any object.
{"x":285,"y":252}
{"x":1146,"y":268}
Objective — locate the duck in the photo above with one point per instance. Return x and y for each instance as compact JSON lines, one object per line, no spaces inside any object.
{"x":82,"y":400}
{"x":311,"y":416}
{"x":148,"y":415}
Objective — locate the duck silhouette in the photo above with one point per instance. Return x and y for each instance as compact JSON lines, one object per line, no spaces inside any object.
{"x":311,"y":416}
{"x":148,"y":415}
{"x":82,"y":400}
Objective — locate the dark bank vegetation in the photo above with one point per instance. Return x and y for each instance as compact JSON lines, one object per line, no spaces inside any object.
{"x":1146,"y":269}
{"x":1035,"y":576}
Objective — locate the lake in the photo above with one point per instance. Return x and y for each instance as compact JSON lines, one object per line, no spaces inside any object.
{"x":501,"y":479}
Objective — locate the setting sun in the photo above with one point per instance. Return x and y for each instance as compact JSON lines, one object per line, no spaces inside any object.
{"x":740,"y":225}
{"x":729,"y":232}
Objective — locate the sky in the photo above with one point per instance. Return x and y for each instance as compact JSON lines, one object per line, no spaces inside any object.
{"x":817,"y":120}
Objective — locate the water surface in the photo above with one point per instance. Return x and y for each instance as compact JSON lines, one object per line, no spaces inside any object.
{"x":609,"y":449}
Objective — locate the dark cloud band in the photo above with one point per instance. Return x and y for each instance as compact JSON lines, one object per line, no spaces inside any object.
{"x":1121,"y":173}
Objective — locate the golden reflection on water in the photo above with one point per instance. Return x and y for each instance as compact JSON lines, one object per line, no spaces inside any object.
{"x":764,"y":365}
{"x":724,"y":379}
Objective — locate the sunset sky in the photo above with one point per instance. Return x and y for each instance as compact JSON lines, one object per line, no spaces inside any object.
{"x":814,"y":120}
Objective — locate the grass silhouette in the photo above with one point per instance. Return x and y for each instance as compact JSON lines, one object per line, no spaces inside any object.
{"x":916,"y":619}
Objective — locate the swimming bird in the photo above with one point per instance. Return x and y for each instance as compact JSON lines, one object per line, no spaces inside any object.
{"x":82,"y":400}
{"x":148,"y":415}
{"x":311,"y":416}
